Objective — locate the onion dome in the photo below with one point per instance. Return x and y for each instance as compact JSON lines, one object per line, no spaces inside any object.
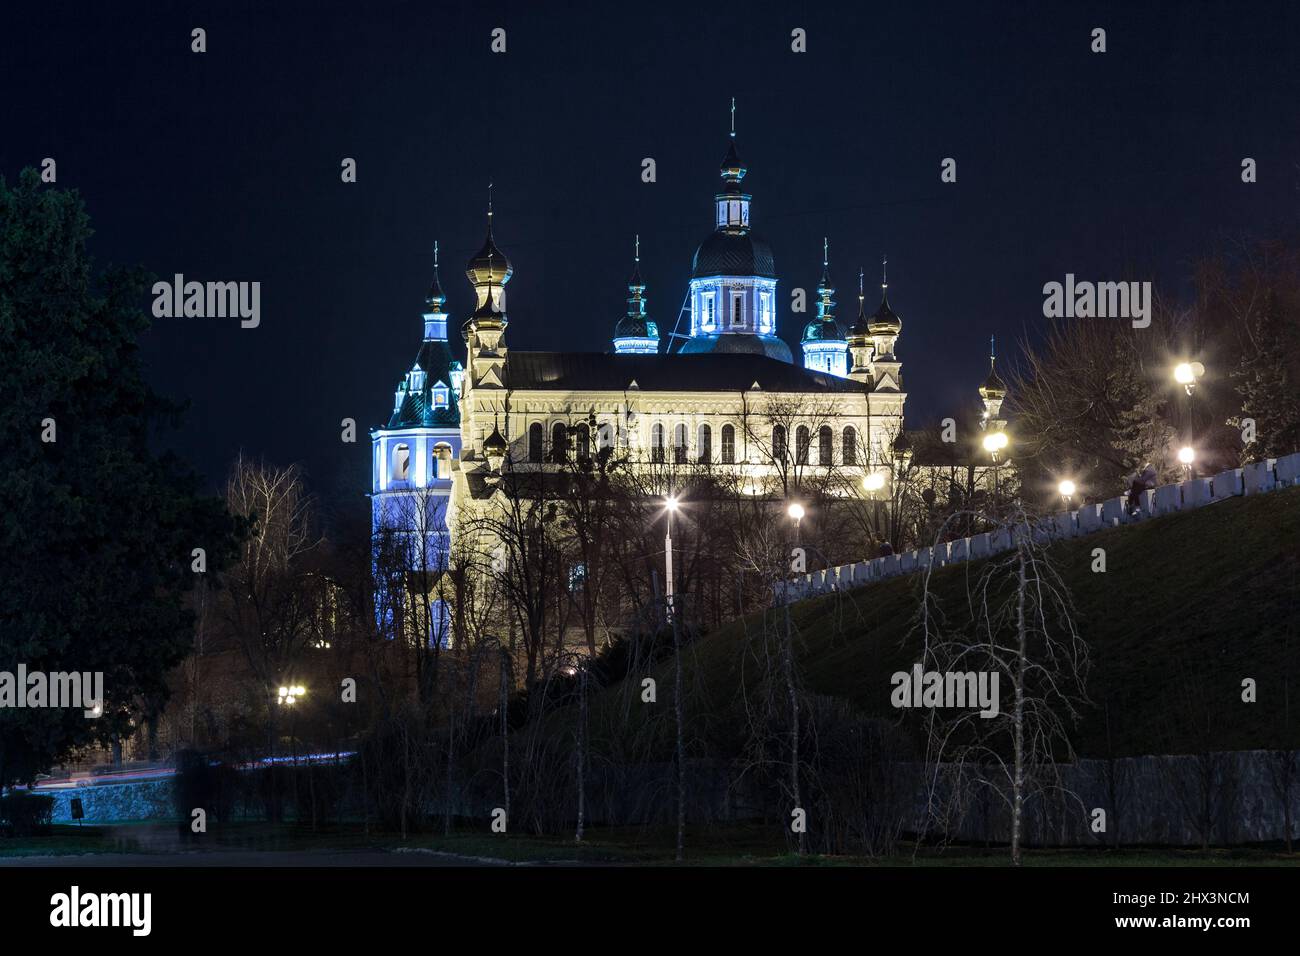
{"x":489,"y":265}
{"x":823,"y":330}
{"x":494,"y":443}
{"x":993,"y":386}
{"x":885,"y":321}
{"x":860,"y":327}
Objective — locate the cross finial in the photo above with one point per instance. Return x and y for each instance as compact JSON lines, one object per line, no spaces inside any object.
{"x":435,"y":253}
{"x":826,"y":254}
{"x":489,"y":205}
{"x":992,"y":351}
{"x":638,"y":247}
{"x":733,"y":117}
{"x":862,"y":274}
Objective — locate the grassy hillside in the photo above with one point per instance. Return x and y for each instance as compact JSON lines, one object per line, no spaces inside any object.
{"x":1190,"y":604}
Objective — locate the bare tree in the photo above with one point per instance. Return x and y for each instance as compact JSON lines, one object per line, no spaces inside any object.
{"x":1021,"y":633}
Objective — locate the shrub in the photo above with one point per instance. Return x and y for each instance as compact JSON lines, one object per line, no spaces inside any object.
{"x":23,"y":813}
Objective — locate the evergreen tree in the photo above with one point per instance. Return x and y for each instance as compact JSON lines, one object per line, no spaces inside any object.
{"x":97,"y":532}
{"x":1265,"y":379}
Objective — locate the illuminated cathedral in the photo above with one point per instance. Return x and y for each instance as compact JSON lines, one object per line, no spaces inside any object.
{"x":729,"y":396}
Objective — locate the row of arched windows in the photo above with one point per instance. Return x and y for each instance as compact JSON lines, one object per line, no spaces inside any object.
{"x":680,"y":445}
{"x":825,"y":445}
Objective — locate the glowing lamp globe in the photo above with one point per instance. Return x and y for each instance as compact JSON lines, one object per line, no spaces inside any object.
{"x":1186,"y":455}
{"x":1066,"y":488}
{"x":795,"y":511}
{"x":995,"y":441}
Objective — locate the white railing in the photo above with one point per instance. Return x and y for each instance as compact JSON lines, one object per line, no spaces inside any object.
{"x":1256,"y":478}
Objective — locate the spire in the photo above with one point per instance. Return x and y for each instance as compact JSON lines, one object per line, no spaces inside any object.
{"x":435,"y":297}
{"x":826,"y":264}
{"x":489,"y":267}
{"x":733,"y":168}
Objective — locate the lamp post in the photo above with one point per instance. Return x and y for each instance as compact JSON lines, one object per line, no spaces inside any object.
{"x":1187,"y":455}
{"x":796,"y":512}
{"x":873,"y":482}
{"x":995,"y":442}
{"x":670,"y":505}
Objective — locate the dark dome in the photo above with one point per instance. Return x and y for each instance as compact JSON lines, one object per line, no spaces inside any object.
{"x":739,"y":343}
{"x":733,"y":254}
{"x":490,"y":265}
{"x":632,"y":327}
{"x":885,"y":321}
{"x":823,"y":330}
{"x":993,"y":385}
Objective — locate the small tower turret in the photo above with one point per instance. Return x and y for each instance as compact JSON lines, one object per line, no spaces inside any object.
{"x":824,"y":347}
{"x":635,"y":333}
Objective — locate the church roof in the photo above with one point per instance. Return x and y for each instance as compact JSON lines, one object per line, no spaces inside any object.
{"x":417,"y":409}
{"x":664,"y":372}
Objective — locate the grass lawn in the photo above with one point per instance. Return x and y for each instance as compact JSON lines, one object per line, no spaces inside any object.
{"x":1188,"y":607}
{"x":735,"y":845}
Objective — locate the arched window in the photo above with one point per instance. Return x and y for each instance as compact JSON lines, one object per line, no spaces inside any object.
{"x":825,"y":445}
{"x":657,"y":443}
{"x":802,"y":439}
{"x":442,"y":461}
{"x":584,"y":441}
{"x":728,"y":444}
{"x":679,"y":444}
{"x":778,"y":443}
{"x":604,"y":436}
{"x":559,"y":442}
{"x":535,"y":434}
{"x":705,"y":444}
{"x":849,"y":452}
{"x":402,"y":463}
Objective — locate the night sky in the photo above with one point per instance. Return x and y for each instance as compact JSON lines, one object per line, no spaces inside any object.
{"x":225,"y":166}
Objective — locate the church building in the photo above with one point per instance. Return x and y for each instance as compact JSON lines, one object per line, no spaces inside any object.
{"x":730,"y":396}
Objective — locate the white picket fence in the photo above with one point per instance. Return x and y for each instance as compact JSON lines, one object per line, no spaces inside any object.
{"x":1253,"y":479}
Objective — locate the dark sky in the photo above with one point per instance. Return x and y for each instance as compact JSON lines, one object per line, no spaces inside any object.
{"x":225,"y":166}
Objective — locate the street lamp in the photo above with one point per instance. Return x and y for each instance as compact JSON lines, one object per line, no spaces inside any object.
{"x":1186,"y":374}
{"x":290,"y":695}
{"x":873,"y":483}
{"x":1187,"y":455}
{"x":670,"y":505}
{"x":795,"y":511}
{"x":1066,"y":488}
{"x":994,"y":442}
